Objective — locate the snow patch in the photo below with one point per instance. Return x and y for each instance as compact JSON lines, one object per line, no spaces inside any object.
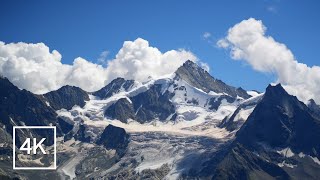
{"x":244,"y":114}
{"x":253,"y":93}
{"x":286,"y":165}
{"x":316,"y":160}
{"x":301,"y":155}
{"x":286,"y":152}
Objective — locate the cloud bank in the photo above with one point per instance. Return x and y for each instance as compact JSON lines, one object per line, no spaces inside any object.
{"x":35,"y":68}
{"x":248,"y":42}
{"x":138,"y":60}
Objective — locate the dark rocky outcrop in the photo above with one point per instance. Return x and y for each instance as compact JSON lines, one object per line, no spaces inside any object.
{"x":121,"y":110}
{"x":66,"y":97}
{"x":153,"y":104}
{"x":145,"y":107}
{"x":114,"y":138}
{"x":200,"y":78}
{"x":114,"y":87}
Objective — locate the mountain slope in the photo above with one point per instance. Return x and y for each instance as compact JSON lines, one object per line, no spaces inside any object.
{"x":242,"y":164}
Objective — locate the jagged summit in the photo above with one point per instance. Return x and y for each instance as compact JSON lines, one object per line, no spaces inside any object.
{"x":66,"y":97}
{"x":275,"y":90}
{"x":200,"y":78}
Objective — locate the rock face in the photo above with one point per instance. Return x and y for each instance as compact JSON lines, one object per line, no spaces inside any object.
{"x":21,"y":107}
{"x":200,"y":78}
{"x":280,"y":121}
{"x":153,"y":104}
{"x":144,"y":107}
{"x":114,"y":87}
{"x":121,"y":110}
{"x":66,"y":97}
{"x":114,"y":138}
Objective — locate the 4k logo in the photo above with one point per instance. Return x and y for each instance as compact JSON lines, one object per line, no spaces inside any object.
{"x":33,"y":153}
{"x":35,"y":146}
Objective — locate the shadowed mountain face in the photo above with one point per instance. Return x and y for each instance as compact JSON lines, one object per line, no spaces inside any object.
{"x":242,"y":164}
{"x":281,"y":120}
{"x":200,"y":78}
{"x":21,"y":107}
{"x":66,"y":97}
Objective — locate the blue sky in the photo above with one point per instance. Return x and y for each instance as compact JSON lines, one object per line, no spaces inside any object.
{"x":86,"y":28}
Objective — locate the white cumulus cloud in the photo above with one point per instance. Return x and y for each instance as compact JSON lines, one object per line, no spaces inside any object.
{"x":138,"y":60}
{"x":248,"y":42}
{"x":35,"y":68}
